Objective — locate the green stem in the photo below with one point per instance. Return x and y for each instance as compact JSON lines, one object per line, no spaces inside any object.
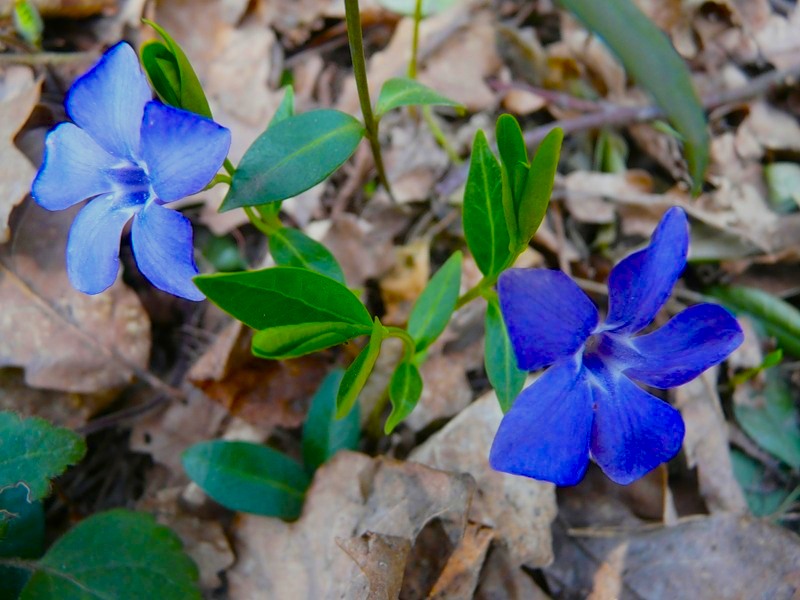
{"x":439,"y":136}
{"x":218,"y":178}
{"x":412,"y":64}
{"x":257,"y":222}
{"x":229,"y":167}
{"x":354,"y":36}
{"x":478,"y":290}
{"x":408,"y":341}
{"x":374,"y":427}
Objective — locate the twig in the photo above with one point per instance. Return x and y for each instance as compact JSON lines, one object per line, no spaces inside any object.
{"x":627,"y":115}
{"x":47,"y":58}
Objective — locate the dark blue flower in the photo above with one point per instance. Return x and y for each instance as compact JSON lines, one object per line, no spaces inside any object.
{"x":586,"y":404}
{"x":130,"y":155}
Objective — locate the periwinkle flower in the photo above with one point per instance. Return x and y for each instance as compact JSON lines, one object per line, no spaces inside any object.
{"x":129,"y":155}
{"x":587,"y":404}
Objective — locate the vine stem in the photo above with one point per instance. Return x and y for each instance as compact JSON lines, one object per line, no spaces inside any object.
{"x":412,"y":64}
{"x":356,"y":41}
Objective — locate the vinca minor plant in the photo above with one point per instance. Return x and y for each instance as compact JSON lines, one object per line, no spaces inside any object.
{"x":130,"y":155}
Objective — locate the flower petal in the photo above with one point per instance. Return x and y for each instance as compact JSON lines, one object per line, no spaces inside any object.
{"x":633,"y":431}
{"x":74,"y":168}
{"x":108,"y":101}
{"x":548,"y":316}
{"x":699,"y":337}
{"x":93,"y":243}
{"x":162,"y":246}
{"x":182,"y":150}
{"x":641,"y":283}
{"x":545,"y":435}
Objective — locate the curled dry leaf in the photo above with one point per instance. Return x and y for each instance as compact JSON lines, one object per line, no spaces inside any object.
{"x":706,"y":443}
{"x":520,"y":510}
{"x":19,"y":93}
{"x":65,"y":340}
{"x":322,"y":554}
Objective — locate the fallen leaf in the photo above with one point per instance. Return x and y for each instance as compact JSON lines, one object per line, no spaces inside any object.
{"x":382,"y":560}
{"x":19,"y":92}
{"x":65,"y":340}
{"x":520,"y":510}
{"x":706,"y":443}
{"x":461,"y":572}
{"x":446,"y":390}
{"x":350,"y":496}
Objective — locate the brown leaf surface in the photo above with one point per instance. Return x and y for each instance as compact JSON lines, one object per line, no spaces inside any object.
{"x":520,"y":510}
{"x":350,"y":496}
{"x":724,"y":556}
{"x":65,"y":340}
{"x":19,"y":92}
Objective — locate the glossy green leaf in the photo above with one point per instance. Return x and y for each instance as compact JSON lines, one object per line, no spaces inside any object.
{"x":763,"y":498}
{"x":436,"y":303}
{"x":292,"y":248}
{"x":172,"y":74}
{"x":283,"y":296}
{"x":248,"y":477}
{"x":405,"y":389}
{"x":402,"y":91}
{"x":513,"y":153}
{"x":771,"y":419}
{"x":323,"y":434}
{"x":485,"y":225}
{"x":538,"y":186}
{"x":291,"y":341}
{"x":117,"y":554}
{"x":650,"y":59}
{"x":27,"y":21}
{"x":358,"y":372}
{"x":501,"y":363}
{"x":292,"y":156}
{"x":779,"y":319}
{"x":23,"y":537}
{"x":32,"y":452}
{"x":406,"y":7}
{"x":285,"y":108}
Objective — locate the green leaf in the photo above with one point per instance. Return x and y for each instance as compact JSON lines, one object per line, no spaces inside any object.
{"x":513,"y":153}
{"x":779,"y":319}
{"x":291,"y":341}
{"x":436,"y":303}
{"x":32,"y":452}
{"x":117,"y":554}
{"x":783,"y":183}
{"x":285,"y":108}
{"x":323,"y":434}
{"x":402,"y":91}
{"x":283,"y":296}
{"x":538,"y":186}
{"x":762,"y":499}
{"x":248,"y":477}
{"x":406,"y":7}
{"x":485,"y":226}
{"x":650,"y":59}
{"x":292,"y":248}
{"x":501,"y":363}
{"x":771,"y":419}
{"x":293,"y":156}
{"x":24,"y":537}
{"x":358,"y":372}
{"x":172,"y":74}
{"x":28,"y":22}
{"x":405,"y":389}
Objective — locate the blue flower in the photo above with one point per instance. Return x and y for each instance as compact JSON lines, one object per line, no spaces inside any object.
{"x":130,"y":155}
{"x":586,"y":404}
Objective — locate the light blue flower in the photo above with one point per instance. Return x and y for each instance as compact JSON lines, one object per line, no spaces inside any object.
{"x":129,"y":155}
{"x":587,"y":404}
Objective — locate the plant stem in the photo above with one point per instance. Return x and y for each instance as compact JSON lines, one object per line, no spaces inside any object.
{"x":475,"y":291}
{"x":354,"y":37}
{"x":408,"y":341}
{"x":412,"y":64}
{"x":229,"y":167}
{"x":257,"y":222}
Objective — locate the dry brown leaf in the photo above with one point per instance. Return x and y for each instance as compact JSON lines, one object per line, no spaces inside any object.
{"x":351,"y":495}
{"x":382,"y":560}
{"x":65,"y":340}
{"x":766,"y":128}
{"x":503,"y":580}
{"x":724,"y":556}
{"x":414,"y":161}
{"x":446,"y":390}
{"x":587,"y":193}
{"x":459,"y":578}
{"x":706,"y":443}
{"x":403,"y":285}
{"x":779,"y":39}
{"x":520,"y":510}
{"x":203,"y":540}
{"x":19,"y":93}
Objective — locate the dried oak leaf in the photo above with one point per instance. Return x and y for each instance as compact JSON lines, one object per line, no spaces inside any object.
{"x":323,"y":553}
{"x":65,"y":340}
{"x":19,"y":93}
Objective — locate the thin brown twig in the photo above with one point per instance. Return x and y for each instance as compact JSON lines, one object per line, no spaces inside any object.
{"x":628,"y":115}
{"x":46,"y":58}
